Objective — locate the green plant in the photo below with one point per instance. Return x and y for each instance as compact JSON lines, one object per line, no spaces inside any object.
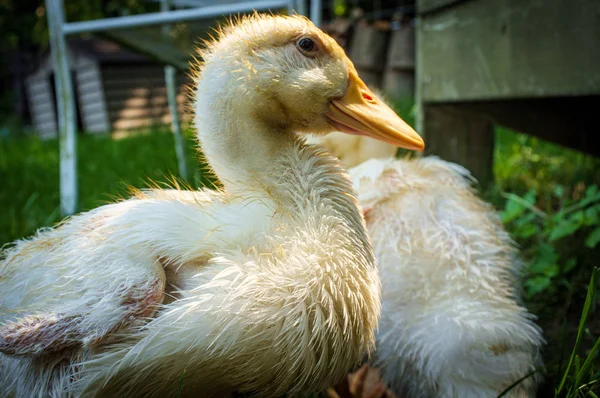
{"x":579,"y":379}
{"x":543,"y":234}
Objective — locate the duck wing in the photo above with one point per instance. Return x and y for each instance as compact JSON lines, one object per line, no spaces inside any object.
{"x":106,"y":272}
{"x":72,"y":286}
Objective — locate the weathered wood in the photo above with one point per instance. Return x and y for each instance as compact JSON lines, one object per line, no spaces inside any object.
{"x":398,"y":79}
{"x":137,"y":96}
{"x":41,"y":103}
{"x":501,"y":49}
{"x":136,"y":102}
{"x":398,"y":84}
{"x":426,"y":6}
{"x":91,"y":97}
{"x":131,"y":71}
{"x":135,"y":92}
{"x":401,"y":50}
{"x":135,"y":113}
{"x":151,"y":43}
{"x":134,"y":81}
{"x":340,"y":29}
{"x":463,"y":138}
{"x":561,"y":120}
{"x":368,"y":51}
{"x":131,"y":124}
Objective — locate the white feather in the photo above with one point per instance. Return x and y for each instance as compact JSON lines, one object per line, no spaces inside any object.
{"x":452,"y":324}
{"x":269,"y":286}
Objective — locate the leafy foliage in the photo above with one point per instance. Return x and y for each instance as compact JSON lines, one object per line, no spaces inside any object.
{"x":550,"y":203}
{"x":544,"y":235}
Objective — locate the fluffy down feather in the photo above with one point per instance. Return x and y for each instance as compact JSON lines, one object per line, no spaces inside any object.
{"x":269,"y":286}
{"x":452,"y":324}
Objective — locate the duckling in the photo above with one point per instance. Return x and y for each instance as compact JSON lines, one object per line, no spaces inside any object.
{"x":267,"y":286}
{"x":453,"y":323}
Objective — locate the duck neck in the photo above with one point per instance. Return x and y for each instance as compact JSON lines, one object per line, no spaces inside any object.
{"x":241,"y":148}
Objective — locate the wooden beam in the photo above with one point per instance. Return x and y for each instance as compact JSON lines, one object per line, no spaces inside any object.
{"x":565,"y":121}
{"x":502,"y":49}
{"x":153,"y":44}
{"x":461,"y":137}
{"x":429,"y":6}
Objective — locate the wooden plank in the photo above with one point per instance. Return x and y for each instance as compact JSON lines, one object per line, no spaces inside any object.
{"x":135,"y":92}
{"x":130,"y":124}
{"x":398,"y":84}
{"x":132,"y":113}
{"x":152,"y":44}
{"x":37,"y":87}
{"x":129,"y":71}
{"x":140,"y":102}
{"x":41,"y":103}
{"x":152,"y":82}
{"x":427,"y":6}
{"x":91,"y":98}
{"x":401,"y":51}
{"x":500,"y":49}
{"x":127,"y":124}
{"x":92,"y":109}
{"x":89,"y":87}
{"x":136,"y":102}
{"x":43,"y":107}
{"x":126,"y":72}
{"x":94,"y":119}
{"x":368,"y":51}
{"x":460,"y":137}
{"x":560,"y":120}
{"x":86,"y":86}
{"x":84,"y":74}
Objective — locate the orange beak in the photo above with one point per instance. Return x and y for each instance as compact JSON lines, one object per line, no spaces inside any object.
{"x":360,"y":112}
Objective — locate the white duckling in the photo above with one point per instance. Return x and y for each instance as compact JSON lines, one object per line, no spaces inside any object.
{"x":452,"y":322}
{"x":268,"y":286}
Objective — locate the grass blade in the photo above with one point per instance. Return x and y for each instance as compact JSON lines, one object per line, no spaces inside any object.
{"x":516,"y":383}
{"x":586,"y":308}
{"x":587,"y":363}
{"x":563,"y":346}
{"x":180,"y":384}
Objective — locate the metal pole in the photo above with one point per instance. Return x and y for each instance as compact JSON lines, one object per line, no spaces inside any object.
{"x":158,"y":18}
{"x":171,"y":85}
{"x":315,"y":12}
{"x":65,"y":107}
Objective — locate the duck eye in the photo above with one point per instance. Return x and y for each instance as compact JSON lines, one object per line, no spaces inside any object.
{"x":306,"y":44}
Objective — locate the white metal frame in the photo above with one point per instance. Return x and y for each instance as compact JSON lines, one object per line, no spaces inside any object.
{"x":59,"y":30}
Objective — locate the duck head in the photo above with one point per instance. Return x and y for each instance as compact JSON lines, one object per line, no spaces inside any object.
{"x":289,"y":76}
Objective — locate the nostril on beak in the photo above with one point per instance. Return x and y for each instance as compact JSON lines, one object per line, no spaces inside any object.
{"x":368,"y":97}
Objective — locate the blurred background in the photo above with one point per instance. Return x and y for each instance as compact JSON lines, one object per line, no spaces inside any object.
{"x":503,"y":87}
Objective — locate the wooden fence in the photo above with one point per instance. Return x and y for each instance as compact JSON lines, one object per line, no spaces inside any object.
{"x":383,"y":52}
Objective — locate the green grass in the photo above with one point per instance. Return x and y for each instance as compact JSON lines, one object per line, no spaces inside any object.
{"x":29,"y":175}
